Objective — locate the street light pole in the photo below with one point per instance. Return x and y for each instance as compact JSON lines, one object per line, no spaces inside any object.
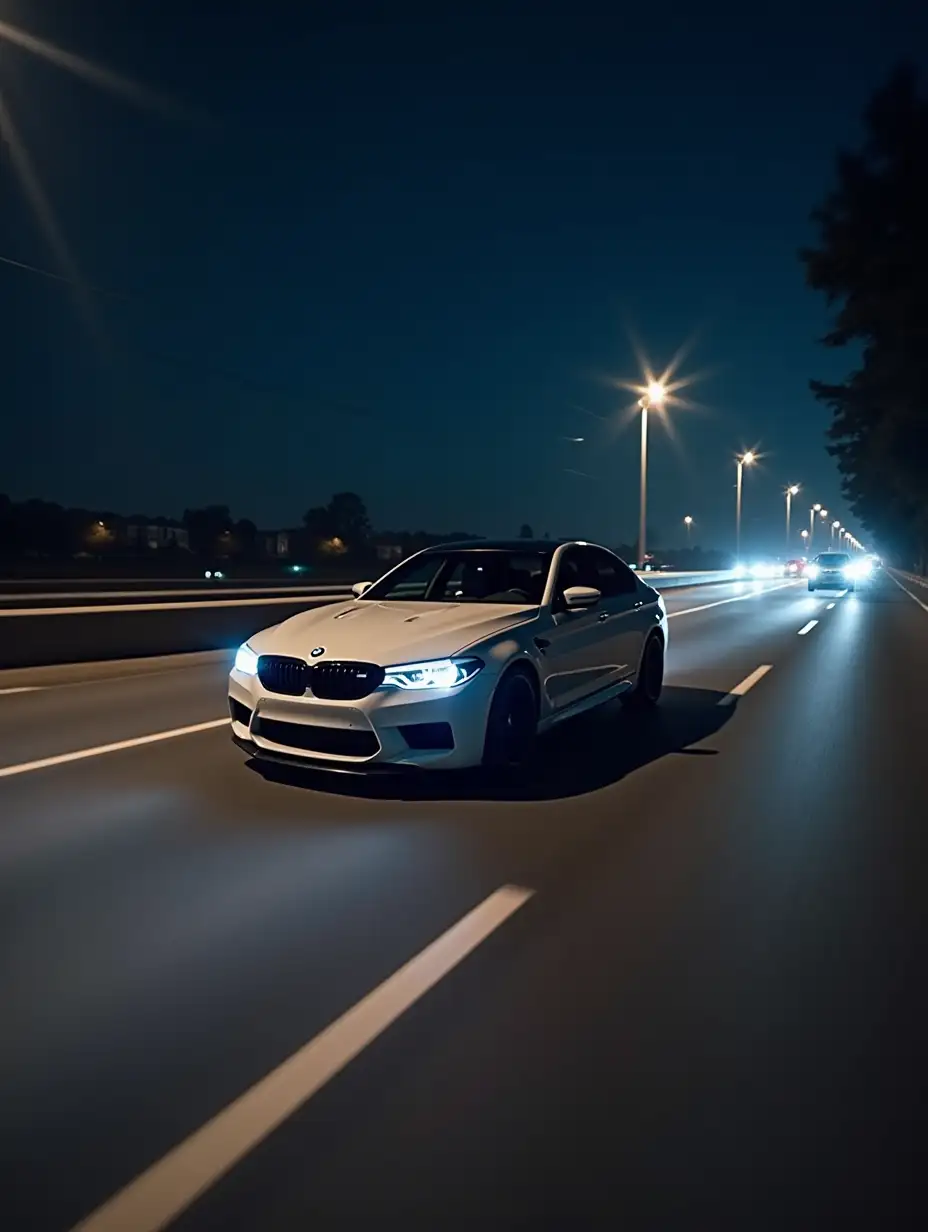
{"x":744,"y":460}
{"x":688,"y":523}
{"x":653,"y":398}
{"x":790,"y":493}
{"x":834,"y":530}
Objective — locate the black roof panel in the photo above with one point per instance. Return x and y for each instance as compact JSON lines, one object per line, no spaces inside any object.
{"x":501,"y":545}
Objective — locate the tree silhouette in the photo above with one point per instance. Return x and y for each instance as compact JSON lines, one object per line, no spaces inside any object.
{"x":871,"y":264}
{"x":526,"y":532}
{"x":350,"y":522}
{"x":343,"y":518}
{"x":207,"y":527}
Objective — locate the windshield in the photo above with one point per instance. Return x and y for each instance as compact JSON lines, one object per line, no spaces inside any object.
{"x":832,"y":560}
{"x":469,"y":575}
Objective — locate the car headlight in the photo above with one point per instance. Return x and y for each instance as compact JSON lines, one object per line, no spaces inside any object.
{"x":434,"y":674}
{"x":246,"y":661}
{"x":812,"y":571}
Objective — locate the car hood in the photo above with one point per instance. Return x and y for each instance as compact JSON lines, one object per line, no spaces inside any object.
{"x":388,"y":633}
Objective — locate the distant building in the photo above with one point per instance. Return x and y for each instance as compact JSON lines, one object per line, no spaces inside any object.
{"x":274,"y":543}
{"x":389,"y":552}
{"x":153,"y":534}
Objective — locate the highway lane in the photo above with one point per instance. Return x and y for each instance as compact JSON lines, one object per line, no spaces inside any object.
{"x":51,"y":710}
{"x":701,"y":1012}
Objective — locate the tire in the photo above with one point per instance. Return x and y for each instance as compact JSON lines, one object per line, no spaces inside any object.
{"x":512,"y":724}
{"x":811,"y":587}
{"x":647,"y":690}
{"x":852,"y":588}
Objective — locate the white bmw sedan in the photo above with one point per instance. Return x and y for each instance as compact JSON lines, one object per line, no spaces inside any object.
{"x":459,"y":656}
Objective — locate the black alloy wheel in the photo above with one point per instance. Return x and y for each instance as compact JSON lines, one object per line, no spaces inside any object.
{"x":650,"y":680}
{"x":512,"y":725}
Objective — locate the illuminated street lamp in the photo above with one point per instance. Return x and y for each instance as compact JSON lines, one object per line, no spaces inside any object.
{"x":653,"y":399}
{"x":791,"y":491}
{"x":805,"y":539}
{"x":688,"y":523}
{"x":746,"y":459}
{"x":812,"y":512}
{"x":834,"y":530}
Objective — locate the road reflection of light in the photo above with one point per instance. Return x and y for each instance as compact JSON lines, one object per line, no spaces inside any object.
{"x":100,"y":821}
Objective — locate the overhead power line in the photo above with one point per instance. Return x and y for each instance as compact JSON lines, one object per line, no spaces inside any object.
{"x":240,"y":379}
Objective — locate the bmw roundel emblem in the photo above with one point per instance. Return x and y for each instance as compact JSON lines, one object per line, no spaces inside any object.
{"x":316,"y":652}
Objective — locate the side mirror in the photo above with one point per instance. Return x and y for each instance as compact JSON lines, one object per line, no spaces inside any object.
{"x":359,"y":588}
{"x":577,"y":598}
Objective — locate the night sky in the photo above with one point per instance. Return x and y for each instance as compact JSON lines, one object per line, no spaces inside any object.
{"x":382,"y":249}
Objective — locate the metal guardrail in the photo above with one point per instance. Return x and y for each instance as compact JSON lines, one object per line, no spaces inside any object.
{"x":40,"y":636}
{"x":256,"y":596}
{"x":915,"y":578}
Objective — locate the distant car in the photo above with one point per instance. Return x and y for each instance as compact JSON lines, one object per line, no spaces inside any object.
{"x":794,"y":568}
{"x":759,"y":567}
{"x":837,"y":571}
{"x":459,"y":656}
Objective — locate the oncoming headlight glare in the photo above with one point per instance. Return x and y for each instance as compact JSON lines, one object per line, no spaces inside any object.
{"x":434,"y":674}
{"x":812,"y":571}
{"x":246,"y":661}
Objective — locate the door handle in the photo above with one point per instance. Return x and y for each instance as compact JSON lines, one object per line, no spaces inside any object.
{"x":542,"y":643}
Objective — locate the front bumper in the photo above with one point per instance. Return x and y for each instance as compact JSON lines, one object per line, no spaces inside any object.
{"x":833,"y":581}
{"x":391,"y":728}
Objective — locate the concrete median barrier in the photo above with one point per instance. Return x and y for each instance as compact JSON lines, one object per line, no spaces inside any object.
{"x":68,"y":627}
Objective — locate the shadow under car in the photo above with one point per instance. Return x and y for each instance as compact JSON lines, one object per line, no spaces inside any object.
{"x":584,"y":755}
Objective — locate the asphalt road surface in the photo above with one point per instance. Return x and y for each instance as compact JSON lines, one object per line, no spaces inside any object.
{"x":677,"y":980}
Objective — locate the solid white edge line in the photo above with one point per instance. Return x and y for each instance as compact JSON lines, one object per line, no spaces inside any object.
{"x":168,"y":1187}
{"x":807,"y":628}
{"x":193,"y":605}
{"x":734,"y":599}
{"x":61,"y":759}
{"x":923,"y":606}
{"x":202,"y":591}
{"x":746,"y":685}
{"x":23,"y":688}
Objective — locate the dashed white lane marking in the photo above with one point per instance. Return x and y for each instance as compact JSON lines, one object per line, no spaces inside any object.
{"x":746,"y":684}
{"x":735,"y":599}
{"x":62,"y":758}
{"x":923,"y":606}
{"x":828,"y":607}
{"x":168,"y":1187}
{"x":26,"y":688}
{"x":807,"y":628}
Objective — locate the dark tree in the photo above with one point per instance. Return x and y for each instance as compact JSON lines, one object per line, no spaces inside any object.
{"x":318,"y":523}
{"x":871,"y":264}
{"x":526,"y":532}
{"x":349,"y":519}
{"x":208,"y":528}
